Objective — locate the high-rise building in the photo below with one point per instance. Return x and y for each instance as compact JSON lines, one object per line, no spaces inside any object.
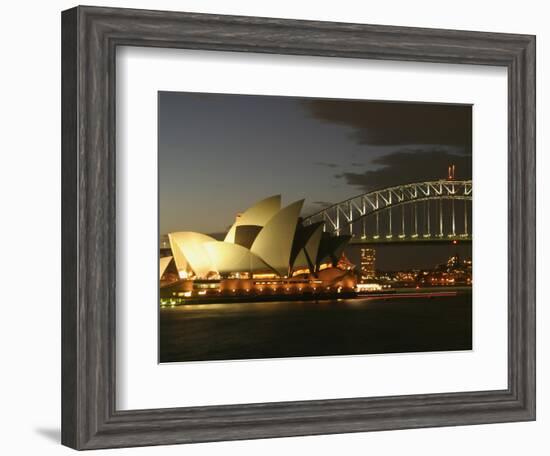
{"x":368,"y":262}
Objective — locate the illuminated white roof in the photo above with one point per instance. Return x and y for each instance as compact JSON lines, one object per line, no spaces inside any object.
{"x":274,"y":242}
{"x":271,"y":249}
{"x":227,"y":258}
{"x":179,"y":258}
{"x":191,"y":247}
{"x":258,"y":214}
{"x":164,"y":262}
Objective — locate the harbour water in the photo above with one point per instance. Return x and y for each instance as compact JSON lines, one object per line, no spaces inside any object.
{"x":362,"y":325}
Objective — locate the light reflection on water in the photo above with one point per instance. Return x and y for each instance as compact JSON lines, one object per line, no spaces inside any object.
{"x":266,"y":305}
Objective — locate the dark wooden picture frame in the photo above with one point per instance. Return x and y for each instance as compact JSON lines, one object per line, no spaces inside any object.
{"x":90,"y":36}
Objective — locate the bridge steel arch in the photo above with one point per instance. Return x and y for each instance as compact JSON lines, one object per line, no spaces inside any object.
{"x":340,"y":217}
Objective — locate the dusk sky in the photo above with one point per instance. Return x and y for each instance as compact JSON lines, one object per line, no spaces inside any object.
{"x":218,"y":154}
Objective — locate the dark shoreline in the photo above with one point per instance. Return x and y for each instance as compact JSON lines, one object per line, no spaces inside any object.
{"x":260,"y":298}
{"x":239,"y":298}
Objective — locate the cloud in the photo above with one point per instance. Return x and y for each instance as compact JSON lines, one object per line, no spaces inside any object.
{"x":314,"y":207}
{"x":322,"y":203}
{"x":409,"y":165}
{"x":399,"y":124}
{"x":328,"y":165}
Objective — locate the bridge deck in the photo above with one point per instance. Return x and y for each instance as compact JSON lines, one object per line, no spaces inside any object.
{"x":409,"y":240}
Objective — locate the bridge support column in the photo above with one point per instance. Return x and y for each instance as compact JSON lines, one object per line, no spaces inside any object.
{"x":390,"y":229}
{"x":363,"y":218}
{"x":453,"y":216}
{"x":402,"y":221}
{"x":415,"y":220}
{"x":465,"y":218}
{"x":440,"y":218}
{"x":427,"y":220}
{"x":350,"y":219}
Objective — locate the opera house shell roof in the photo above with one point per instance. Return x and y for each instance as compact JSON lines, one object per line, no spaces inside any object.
{"x":264,"y":239}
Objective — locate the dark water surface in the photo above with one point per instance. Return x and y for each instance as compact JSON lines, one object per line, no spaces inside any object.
{"x":309,"y":328}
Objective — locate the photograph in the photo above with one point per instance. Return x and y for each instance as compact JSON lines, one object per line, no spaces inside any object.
{"x":300,"y":227}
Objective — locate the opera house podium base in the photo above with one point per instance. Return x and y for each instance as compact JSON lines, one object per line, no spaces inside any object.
{"x":239,"y":298}
{"x":248,"y":290}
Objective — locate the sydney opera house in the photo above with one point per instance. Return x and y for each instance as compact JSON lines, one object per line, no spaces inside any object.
{"x":267,"y":253}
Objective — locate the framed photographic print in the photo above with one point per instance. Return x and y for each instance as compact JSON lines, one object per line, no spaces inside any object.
{"x":277,"y":228}
{"x":373,"y":239}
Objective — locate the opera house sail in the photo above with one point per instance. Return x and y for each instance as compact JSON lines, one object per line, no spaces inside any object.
{"x":267,"y":252}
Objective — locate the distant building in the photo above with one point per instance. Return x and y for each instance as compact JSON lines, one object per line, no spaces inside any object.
{"x":368,"y":264}
{"x":453,"y":262}
{"x":455,"y":272}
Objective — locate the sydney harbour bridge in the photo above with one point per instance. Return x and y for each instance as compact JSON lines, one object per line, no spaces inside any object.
{"x":431,"y":211}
